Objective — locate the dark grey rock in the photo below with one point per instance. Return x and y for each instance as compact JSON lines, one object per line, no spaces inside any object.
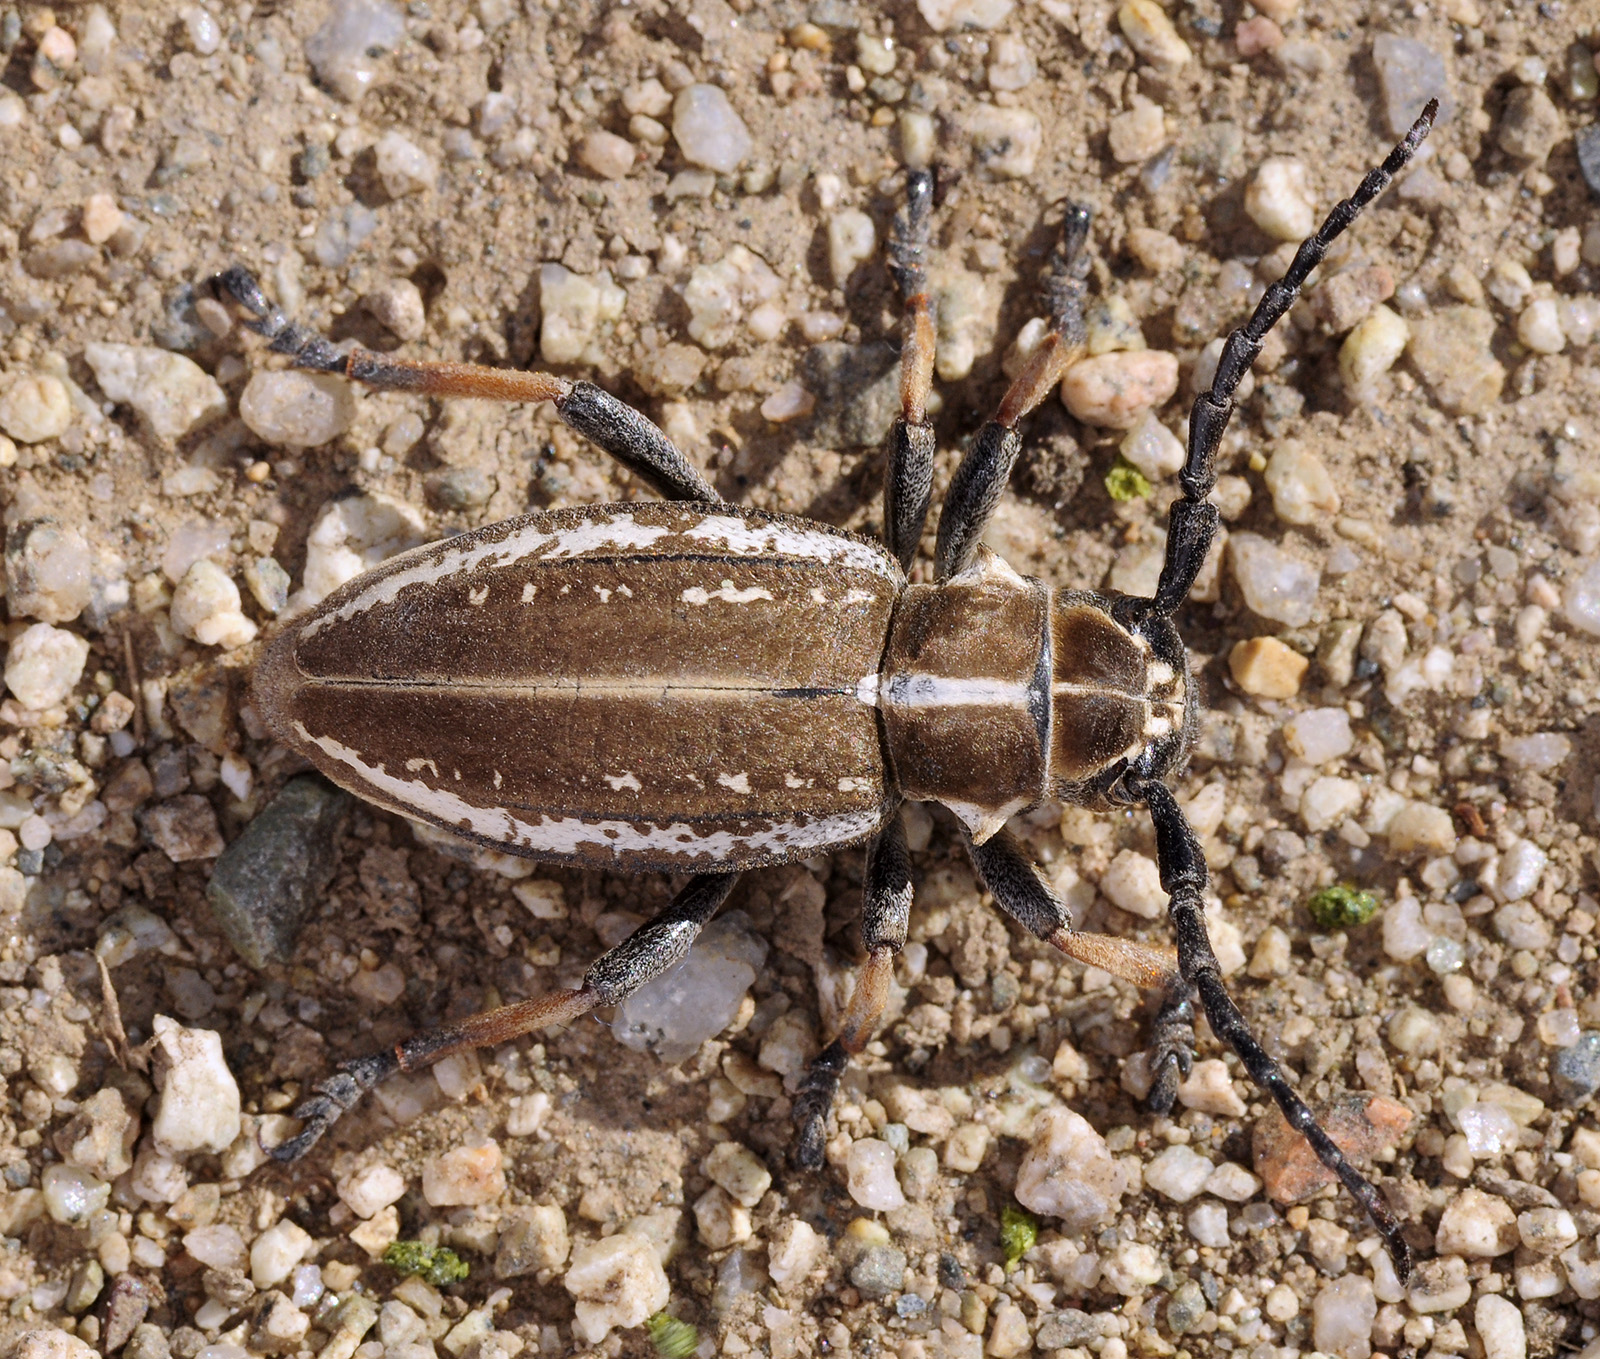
{"x":879,"y":1272}
{"x":1575,"y":1071}
{"x":1185,"y":1307}
{"x":857,"y":389}
{"x":1587,"y":141}
{"x":1070,"y":1326}
{"x":267,"y":881}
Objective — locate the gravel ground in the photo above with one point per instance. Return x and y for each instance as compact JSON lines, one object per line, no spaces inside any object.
{"x":686,"y":200}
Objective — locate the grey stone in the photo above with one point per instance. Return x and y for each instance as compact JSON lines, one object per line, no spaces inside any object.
{"x":1185,"y":1307}
{"x":879,"y":1272}
{"x":1587,"y":141}
{"x":857,"y":389}
{"x":84,"y":1287}
{"x":184,"y":828}
{"x":143,"y":1340}
{"x":267,"y":881}
{"x":1575,"y":1071}
{"x":461,"y":488}
{"x":1070,"y":1326}
{"x":1409,"y":74}
{"x":1530,"y":126}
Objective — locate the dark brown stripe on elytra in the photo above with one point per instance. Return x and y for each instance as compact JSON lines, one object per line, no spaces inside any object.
{"x":1090,"y":649}
{"x":1091,"y":731}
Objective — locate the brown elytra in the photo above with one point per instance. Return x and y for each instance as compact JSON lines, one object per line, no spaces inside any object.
{"x":676,"y":687}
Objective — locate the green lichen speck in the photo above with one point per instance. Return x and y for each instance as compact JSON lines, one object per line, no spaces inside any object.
{"x":438,"y":1265}
{"x":1019,"y":1230}
{"x":672,"y":1338}
{"x":1126,"y":482}
{"x":1341,"y":908}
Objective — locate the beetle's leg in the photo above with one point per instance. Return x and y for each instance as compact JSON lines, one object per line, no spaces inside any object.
{"x":1192,"y":521}
{"x":1183,"y":877}
{"x":600,"y":417}
{"x":646,"y":953}
{"x":909,"y":450}
{"x":1023,"y":894}
{"x":885,"y":912}
{"x":981,"y":478}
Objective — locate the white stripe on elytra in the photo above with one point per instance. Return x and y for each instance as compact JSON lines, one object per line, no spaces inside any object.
{"x":568,"y":834}
{"x":745,"y":539}
{"x":436,"y":562}
{"x":939,"y":691}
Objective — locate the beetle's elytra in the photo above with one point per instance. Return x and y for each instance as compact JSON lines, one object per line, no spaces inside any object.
{"x":687,"y":686}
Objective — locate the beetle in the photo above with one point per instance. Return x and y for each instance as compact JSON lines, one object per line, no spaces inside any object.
{"x":685,"y":686}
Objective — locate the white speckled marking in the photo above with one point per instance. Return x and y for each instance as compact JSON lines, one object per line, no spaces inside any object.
{"x":623,"y":780}
{"x":620,"y":532}
{"x":727,"y":594}
{"x":740,"y":783}
{"x":478,"y":597}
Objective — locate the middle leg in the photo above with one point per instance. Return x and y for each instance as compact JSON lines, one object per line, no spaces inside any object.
{"x":1024,"y":895}
{"x":885,"y":914}
{"x":981,"y":478}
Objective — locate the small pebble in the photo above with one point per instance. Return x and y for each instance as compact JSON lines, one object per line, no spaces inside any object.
{"x":616,"y":1281}
{"x":1265,"y":668}
{"x":1530,"y":125}
{"x":1208,"y":1224}
{"x":851,"y":239}
{"x":1116,"y":390}
{"x":1150,"y":33}
{"x":1132,"y":881}
{"x":879,"y":1272}
{"x":1580,"y":604}
{"x":789,"y":402}
{"x":72,"y":1196}
{"x":532,"y":1239}
{"x":44,"y":665}
{"x":1450,"y":347}
{"x":1153,"y":448}
{"x":1178,"y":1173}
{"x":1278,"y":199}
{"x":293,"y":409}
{"x":371,"y":1189}
{"x":1319,"y":735}
{"x":34,"y":407}
{"x":345,"y":50}
{"x":1257,"y":35}
{"x":1139,"y":133}
{"x":1328,"y":801}
{"x":573,"y":308}
{"x":1342,"y":1316}
{"x":1477,"y":1225}
{"x":707,"y":129}
{"x":720,"y":1220}
{"x":1372,"y":349}
{"x":606,"y":154}
{"x":942,"y":15}
{"x":1489,"y":1129}
{"x":198,"y":1108}
{"x":1006,"y":141}
{"x":172,"y":394}
{"x":1539,"y":327}
{"x":1068,"y":1172}
{"x":1521,"y":867}
{"x":1302,"y":489}
{"x":739,"y":1171}
{"x":207,"y":608}
{"x":1499,"y":1324}
{"x":1275,"y":584}
{"x":466,"y":1176}
{"x":276,"y":1251}
{"x":396,"y":304}
{"x":1575,"y":1071}
{"x":1421,"y":828}
{"x":1131,"y":1268}
{"x":722,"y":295}
{"x":1409,"y":74}
{"x":102,"y":218}
{"x":1011,"y":64}
{"x":49,"y":571}
{"x":793,"y":1250}
{"x":869,"y":1166}
{"x":403,"y":166}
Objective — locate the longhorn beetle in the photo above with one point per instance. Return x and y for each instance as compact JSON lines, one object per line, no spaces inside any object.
{"x":690,"y":687}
